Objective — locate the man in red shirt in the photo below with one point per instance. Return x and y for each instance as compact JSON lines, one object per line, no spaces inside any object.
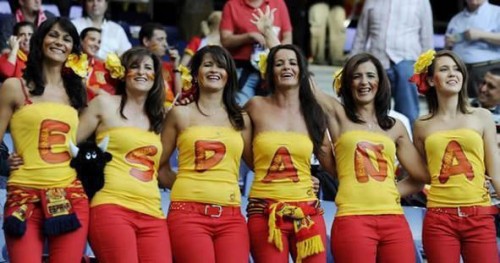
{"x":241,"y":37}
{"x":154,"y":37}
{"x":13,"y":62}
{"x":98,"y":77}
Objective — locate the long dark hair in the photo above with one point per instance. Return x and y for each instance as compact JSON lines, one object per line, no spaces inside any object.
{"x":33,"y":74}
{"x":156,"y":96}
{"x":314,"y":116}
{"x":431,"y":94}
{"x":382,"y":98}
{"x":223,"y":59}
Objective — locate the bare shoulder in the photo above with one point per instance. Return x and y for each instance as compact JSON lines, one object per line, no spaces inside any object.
{"x":254,"y":103}
{"x":12,"y":86}
{"x":11,"y":91}
{"x":421,"y":126}
{"x":481,"y":113}
{"x":105,"y":103}
{"x":177,"y":113}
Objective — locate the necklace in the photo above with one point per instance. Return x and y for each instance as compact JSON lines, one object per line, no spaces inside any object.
{"x":371,"y":125}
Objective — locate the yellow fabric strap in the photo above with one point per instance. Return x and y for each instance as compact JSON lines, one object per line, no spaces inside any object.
{"x":274,"y":232}
{"x":22,"y":56}
{"x":302,"y":225}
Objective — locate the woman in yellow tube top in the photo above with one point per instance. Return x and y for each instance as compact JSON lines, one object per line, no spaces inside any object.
{"x":370,"y":225}
{"x":126,"y":220}
{"x":211,"y":134}
{"x":284,"y":215}
{"x":459,"y":144}
{"x":45,"y":200}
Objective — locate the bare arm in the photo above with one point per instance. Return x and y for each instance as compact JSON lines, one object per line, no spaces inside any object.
{"x":186,"y":58}
{"x":264,"y":22}
{"x":10,"y":94}
{"x":411,"y":161}
{"x":491,"y":157}
{"x":166,"y":176}
{"x":90,"y":118}
{"x":247,"y":135}
{"x":14,"y":46}
{"x":419,"y":147}
{"x":326,"y":157}
{"x":409,"y":156}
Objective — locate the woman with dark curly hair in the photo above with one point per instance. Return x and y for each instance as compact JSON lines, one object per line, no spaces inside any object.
{"x":126,"y":222}
{"x":211,"y":135}
{"x":45,"y":200}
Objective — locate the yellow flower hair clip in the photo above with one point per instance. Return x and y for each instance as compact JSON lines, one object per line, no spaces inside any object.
{"x":337,"y":81}
{"x":114,"y":66}
{"x":420,"y":71}
{"x":186,"y":78}
{"x":424,"y":61}
{"x":262,"y":64}
{"x":79,"y":64}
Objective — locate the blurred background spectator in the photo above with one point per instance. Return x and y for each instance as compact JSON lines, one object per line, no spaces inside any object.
{"x":396,"y":32}
{"x":210,"y":36}
{"x":27,"y":10}
{"x":474,"y":34}
{"x":113,"y":37}
{"x":13,"y":63}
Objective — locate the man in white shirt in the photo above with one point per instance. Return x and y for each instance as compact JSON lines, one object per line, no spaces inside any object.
{"x":113,"y":37}
{"x":396,"y":32}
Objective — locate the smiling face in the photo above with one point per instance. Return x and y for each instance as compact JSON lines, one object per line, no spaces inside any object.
{"x":489,"y":91}
{"x":57,"y":44}
{"x":91,"y":43}
{"x":365,"y":82}
{"x":447,"y":77}
{"x":286,"y":68}
{"x":211,"y":75}
{"x":140,"y":75}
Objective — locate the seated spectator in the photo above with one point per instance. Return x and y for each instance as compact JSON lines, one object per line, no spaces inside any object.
{"x":113,"y":37}
{"x":98,"y":77}
{"x":154,"y":37}
{"x":211,"y":36}
{"x":473,"y":34}
{"x":489,"y":94}
{"x":13,"y":63}
{"x":30,"y":11}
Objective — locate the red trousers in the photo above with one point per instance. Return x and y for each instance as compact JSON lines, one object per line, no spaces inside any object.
{"x":372,"y":238}
{"x":263,"y":251}
{"x":117,"y":234}
{"x":447,"y":236}
{"x":68,"y":247}
{"x":208,"y":237}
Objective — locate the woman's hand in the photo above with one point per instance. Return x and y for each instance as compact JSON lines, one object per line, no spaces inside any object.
{"x":15,"y":161}
{"x":263,"y":20}
{"x":315,"y":181}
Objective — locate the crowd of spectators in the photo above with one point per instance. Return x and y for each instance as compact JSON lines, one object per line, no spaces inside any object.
{"x":395,"y":32}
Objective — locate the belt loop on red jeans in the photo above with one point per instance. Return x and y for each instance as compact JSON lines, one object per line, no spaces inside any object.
{"x":211,"y":210}
{"x":465,"y":211}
